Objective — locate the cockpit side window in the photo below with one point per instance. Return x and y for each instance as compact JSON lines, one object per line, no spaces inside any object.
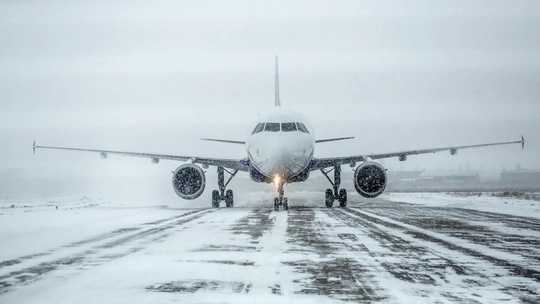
{"x":261,"y":128}
{"x":255,"y":129}
{"x":302,"y":127}
{"x":258,"y":128}
{"x":271,"y":127}
{"x":288,"y":126}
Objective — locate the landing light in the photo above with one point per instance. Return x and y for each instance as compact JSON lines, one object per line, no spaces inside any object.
{"x":277,"y":180}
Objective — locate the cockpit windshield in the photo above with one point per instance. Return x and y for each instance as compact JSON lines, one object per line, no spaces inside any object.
{"x":288,"y":126}
{"x":276,"y":127}
{"x":271,"y":127}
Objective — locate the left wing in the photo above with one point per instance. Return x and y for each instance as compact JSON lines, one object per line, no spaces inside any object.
{"x":321,"y":163}
{"x":234,"y":164}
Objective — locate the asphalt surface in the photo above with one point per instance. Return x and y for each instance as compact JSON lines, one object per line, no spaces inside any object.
{"x":369,"y":252}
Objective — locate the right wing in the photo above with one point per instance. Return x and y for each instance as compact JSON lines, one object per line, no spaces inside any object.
{"x":321,"y":163}
{"x":234,"y":164}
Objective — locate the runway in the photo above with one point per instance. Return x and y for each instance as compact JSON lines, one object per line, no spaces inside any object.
{"x":382,"y":251}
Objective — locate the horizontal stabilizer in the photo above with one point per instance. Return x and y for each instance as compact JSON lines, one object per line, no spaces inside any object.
{"x":333,"y":139}
{"x":225,"y":141}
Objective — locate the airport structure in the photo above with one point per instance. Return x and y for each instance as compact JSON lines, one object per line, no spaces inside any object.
{"x":521,"y":177}
{"x":420,"y":181}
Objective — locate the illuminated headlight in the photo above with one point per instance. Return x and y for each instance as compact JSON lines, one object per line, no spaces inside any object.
{"x":277,"y":180}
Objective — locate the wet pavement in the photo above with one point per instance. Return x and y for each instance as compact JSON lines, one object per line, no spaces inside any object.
{"x":370,"y":252}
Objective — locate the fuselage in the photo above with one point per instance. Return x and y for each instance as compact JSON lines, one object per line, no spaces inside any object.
{"x":280,"y":144}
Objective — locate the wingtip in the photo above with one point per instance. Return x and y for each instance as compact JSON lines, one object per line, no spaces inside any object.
{"x":522,"y":142}
{"x":34,"y":147}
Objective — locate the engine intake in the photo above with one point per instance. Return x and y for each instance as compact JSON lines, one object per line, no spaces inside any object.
{"x":188,"y":181}
{"x":370,"y":179}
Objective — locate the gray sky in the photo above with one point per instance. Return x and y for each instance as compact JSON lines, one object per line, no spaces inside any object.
{"x":156,"y":75}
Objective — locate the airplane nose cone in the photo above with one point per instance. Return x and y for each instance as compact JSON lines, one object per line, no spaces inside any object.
{"x":287,"y":160}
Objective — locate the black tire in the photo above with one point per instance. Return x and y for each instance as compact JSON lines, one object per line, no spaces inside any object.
{"x":276,"y":204}
{"x":229,"y":198}
{"x":285,"y":204}
{"x":329,"y":199}
{"x":215,"y":199}
{"x":343,"y":198}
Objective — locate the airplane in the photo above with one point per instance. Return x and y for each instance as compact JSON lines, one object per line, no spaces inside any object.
{"x":280,"y":150}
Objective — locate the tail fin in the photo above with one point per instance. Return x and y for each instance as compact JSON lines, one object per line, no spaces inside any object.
{"x":278,"y":102}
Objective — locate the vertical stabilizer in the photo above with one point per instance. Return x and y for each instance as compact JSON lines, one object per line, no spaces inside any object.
{"x":278,"y":102}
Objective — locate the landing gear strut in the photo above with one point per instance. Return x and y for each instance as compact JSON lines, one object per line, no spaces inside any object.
{"x":335,"y":193}
{"x":281,"y":200}
{"x":222,"y":194}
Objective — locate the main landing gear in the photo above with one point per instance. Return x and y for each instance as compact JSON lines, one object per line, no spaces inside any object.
{"x":335,"y":193}
{"x":222,"y":194}
{"x":280,"y":200}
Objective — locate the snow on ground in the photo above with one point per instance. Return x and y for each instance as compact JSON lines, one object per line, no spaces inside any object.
{"x":485,"y":202}
{"x":434,"y":248}
{"x":31,"y":227}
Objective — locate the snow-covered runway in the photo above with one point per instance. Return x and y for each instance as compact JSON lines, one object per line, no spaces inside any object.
{"x":388,"y":251}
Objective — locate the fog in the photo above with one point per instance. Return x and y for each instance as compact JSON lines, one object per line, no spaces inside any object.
{"x":155,"y":76}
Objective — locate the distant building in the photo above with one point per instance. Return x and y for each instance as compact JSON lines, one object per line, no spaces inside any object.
{"x":453,"y":177}
{"x":432,"y":181}
{"x":521,"y":177}
{"x":514,"y":180}
{"x":397,"y":176}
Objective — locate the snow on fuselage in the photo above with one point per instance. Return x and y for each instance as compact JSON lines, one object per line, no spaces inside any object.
{"x":281,"y":143}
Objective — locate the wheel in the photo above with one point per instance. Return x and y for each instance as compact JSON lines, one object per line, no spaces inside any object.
{"x":229,"y":198}
{"x":215,"y":199}
{"x":343,"y":198}
{"x":285,"y":204}
{"x":329,"y":198}
{"x":276,"y":204}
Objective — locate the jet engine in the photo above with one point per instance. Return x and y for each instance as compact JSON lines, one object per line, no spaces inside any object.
{"x":188,"y":181}
{"x":370,"y":179}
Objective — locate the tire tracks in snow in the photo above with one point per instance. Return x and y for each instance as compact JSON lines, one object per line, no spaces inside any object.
{"x":457,"y":254}
{"x":93,"y":251}
{"x":497,"y":231}
{"x":326,"y":269}
{"x":93,"y":239}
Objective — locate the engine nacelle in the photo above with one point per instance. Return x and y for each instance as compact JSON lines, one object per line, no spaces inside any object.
{"x":370,"y":179}
{"x":188,"y":181}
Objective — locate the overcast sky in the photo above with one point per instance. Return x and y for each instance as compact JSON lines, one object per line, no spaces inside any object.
{"x":156,"y":75}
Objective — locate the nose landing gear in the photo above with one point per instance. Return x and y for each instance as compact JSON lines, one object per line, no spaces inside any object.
{"x":222,"y":194}
{"x":280,"y":200}
{"x":284,"y":202}
{"x":335,"y":194}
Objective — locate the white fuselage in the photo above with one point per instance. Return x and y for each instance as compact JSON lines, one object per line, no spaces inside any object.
{"x":281,"y":143}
